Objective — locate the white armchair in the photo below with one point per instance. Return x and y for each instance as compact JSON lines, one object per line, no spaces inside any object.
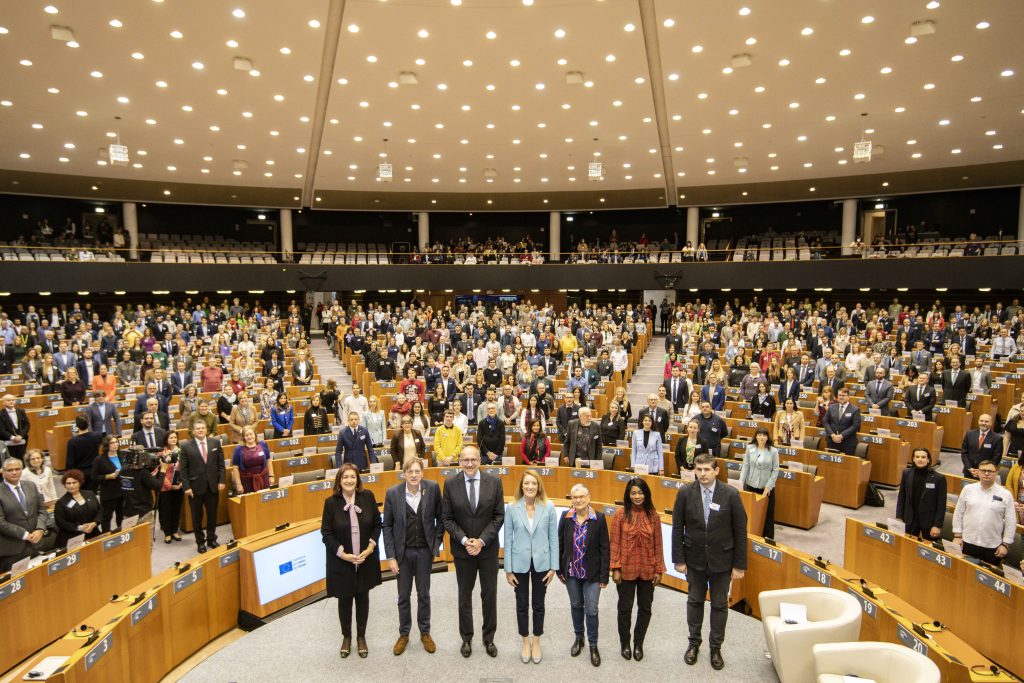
{"x":832,"y":617}
{"x":882,"y":662}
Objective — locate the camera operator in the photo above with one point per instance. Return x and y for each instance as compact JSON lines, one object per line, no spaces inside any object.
{"x":138,"y":482}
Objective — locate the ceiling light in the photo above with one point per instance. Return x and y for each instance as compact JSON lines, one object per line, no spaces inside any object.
{"x":372,"y":59}
{"x":955,"y":150}
{"x":859,"y":96}
{"x":751,"y":40}
{"x":50,"y":9}
{"x":198,"y":66}
{"x":176,"y":34}
{"x":313,"y":23}
{"x":975,"y":99}
{"x":845,"y":52}
{"x":232,"y":43}
{"x":1006,"y":73}
{"x":161,"y":84}
{"x":239,"y":13}
{"x":611,"y":58}
{"x":783,"y":62}
{"x":639,"y":80}
{"x":794,"y":105}
{"x":766,"y":125}
{"x":123,"y":100}
{"x":806,"y":31}
{"x":706,"y":131}
{"x":560,"y":33}
{"x":819,"y":80}
{"x":668,"y":23}
{"x":990,"y":132}
{"x":929,"y":86}
{"x":96,"y":74}
{"x":910,"y":40}
{"x":759,"y":89}
{"x":151,"y":122}
{"x":982,"y":25}
{"x":442,"y":86}
{"x":304,"y":119}
{"x":491,"y":35}
{"x":3,"y":31}
{"x":80,"y":112}
{"x":801,"y":138}
{"x":69,"y":145}
{"x":916,"y":155}
{"x":808,"y":164}
{"x":900,"y":110}
{"x":186,"y":107}
{"x":617,"y":103}
{"x":25,"y":155}
{"x":744,"y":11}
{"x":247,"y":114}
{"x":944,"y":122}
{"x":116,"y":23}
{"x":934,"y":4}
{"x":727,"y":70}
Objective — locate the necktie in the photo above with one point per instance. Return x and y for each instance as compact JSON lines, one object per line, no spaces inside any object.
{"x":21,"y":499}
{"x":952,"y":377}
{"x":472,"y":494}
{"x":675,"y":389}
{"x":707,"y":504}
{"x":202,"y":449}
{"x":918,"y":392}
{"x":981,"y":439}
{"x":878,"y":387}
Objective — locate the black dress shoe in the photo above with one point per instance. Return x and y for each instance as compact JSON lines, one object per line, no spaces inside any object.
{"x":577,"y":647}
{"x":638,"y":651}
{"x":691,"y":655}
{"x":491,"y":648}
{"x":213,"y":544}
{"x":626,"y":652}
{"x":717,"y":663}
{"x":466,"y":649}
{"x":595,"y":656}
{"x":201,"y":547}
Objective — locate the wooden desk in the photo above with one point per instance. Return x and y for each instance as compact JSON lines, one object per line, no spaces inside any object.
{"x":39,"y":605}
{"x":981,"y":607}
{"x":798,"y":495}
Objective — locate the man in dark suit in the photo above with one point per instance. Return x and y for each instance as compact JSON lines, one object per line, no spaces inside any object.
{"x":956,"y":383}
{"x":14,"y":427}
{"x":968,"y":346}
{"x":82,"y":450}
{"x":160,"y":418}
{"x":805,"y":371}
{"x":6,"y":357}
{"x":149,"y":434}
{"x":980,"y":444}
{"x":659,"y":417}
{"x":566,"y":413}
{"x":709,"y":545}
{"x":413,"y":531}
{"x":180,"y":378}
{"x":354,"y":445}
{"x":202,"y":478}
{"x":879,"y":391}
{"x":21,"y":523}
{"x":447,"y":383}
{"x":140,"y":402}
{"x":842,"y":422}
{"x":582,"y":439}
{"x":473,"y":512}
{"x":103,"y":417}
{"x":920,"y":357}
{"x":677,"y":389}
{"x":88,"y":367}
{"x":920,"y":397}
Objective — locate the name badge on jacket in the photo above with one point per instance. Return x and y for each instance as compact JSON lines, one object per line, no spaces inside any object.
{"x":929,"y":486}
{"x":715,"y":507}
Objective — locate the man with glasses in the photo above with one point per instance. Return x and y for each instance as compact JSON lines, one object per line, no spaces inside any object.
{"x":984,"y":522}
{"x":21,"y":524}
{"x":473,"y":512}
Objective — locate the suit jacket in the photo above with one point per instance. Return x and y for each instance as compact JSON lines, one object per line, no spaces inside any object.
{"x":356,"y":448}
{"x":971,"y":453}
{"x":202,"y":477}
{"x":83,"y":367}
{"x":882,"y":395}
{"x":140,"y":405}
{"x":721,"y":544}
{"x":62,"y":363}
{"x":450,"y":389}
{"x":924,"y":404}
{"x":717,"y":400}
{"x":659,"y":416}
{"x":922,"y":360}
{"x":7,"y":428}
{"x":81,"y":454}
{"x":111,"y":422}
{"x":956,"y":391}
{"x":398,"y":449}
{"x":681,"y":396}
{"x":302,"y":378}
{"x":572,"y":436}
{"x":178,"y":384}
{"x":523,"y":546}
{"x":845,"y":423}
{"x":159,"y":436}
{"x":786,"y":391}
{"x":484,"y":522}
{"x":597,"y":548}
{"x":429,"y":513}
{"x":15,"y":521}
{"x":932,"y":510}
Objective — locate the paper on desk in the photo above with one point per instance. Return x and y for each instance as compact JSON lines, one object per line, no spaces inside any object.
{"x":1013,"y":574}
{"x":45,"y":668}
{"x":952,"y":548}
{"x":896,"y":526}
{"x":286,"y":480}
{"x":792,"y":612}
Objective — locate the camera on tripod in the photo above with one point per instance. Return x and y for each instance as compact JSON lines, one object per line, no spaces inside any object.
{"x":139,"y":458}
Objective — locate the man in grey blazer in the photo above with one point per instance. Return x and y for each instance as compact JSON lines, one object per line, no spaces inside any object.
{"x":582,"y":439}
{"x":413,"y":531}
{"x":879,"y":391}
{"x":21,"y":525}
{"x":103,"y":417}
{"x":709,"y":546}
{"x":473,"y":512}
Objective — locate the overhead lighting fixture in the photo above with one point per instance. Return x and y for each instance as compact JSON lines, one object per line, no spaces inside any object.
{"x":243,"y":64}
{"x":62,"y":34}
{"x":921,"y":28}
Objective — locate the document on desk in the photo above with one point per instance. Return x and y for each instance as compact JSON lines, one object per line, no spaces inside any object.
{"x":44,"y":669}
{"x":1013,"y":574}
{"x":792,"y":613}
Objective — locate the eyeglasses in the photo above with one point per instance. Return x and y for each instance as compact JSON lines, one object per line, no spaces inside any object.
{"x":986,"y":471}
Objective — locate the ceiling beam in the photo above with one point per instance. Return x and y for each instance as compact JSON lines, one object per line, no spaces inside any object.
{"x":332,"y":36}
{"x":649,"y":25}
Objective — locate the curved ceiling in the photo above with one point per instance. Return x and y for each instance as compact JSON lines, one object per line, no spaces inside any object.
{"x":510,"y":101}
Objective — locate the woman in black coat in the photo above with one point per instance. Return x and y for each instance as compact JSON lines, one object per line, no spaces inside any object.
{"x":106,"y":472}
{"x":77,"y":511}
{"x":763,"y":403}
{"x":351,"y":572}
{"x":689,"y":447}
{"x":921,"y":502}
{"x":490,"y":434}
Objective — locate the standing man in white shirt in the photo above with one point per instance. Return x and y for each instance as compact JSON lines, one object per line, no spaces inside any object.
{"x":984,"y":522}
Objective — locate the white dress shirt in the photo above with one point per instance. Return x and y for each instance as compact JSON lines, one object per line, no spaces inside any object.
{"x":985,"y":517}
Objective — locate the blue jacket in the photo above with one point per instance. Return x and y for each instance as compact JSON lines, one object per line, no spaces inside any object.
{"x":523,"y":546}
{"x":718,"y":400}
{"x":282,"y":420}
{"x":649,"y":455}
{"x":355,"y":448}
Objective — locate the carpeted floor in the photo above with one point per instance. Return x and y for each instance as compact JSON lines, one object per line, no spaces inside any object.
{"x":303,"y":646}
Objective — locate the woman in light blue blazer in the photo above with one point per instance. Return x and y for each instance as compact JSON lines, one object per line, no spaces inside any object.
{"x":760,"y":471}
{"x":647,"y":447}
{"x":531,"y":556}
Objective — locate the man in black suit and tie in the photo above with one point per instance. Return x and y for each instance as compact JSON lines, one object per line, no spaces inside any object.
{"x":21,"y":523}
{"x":413,"y":530}
{"x":473,"y":512}
{"x":956,"y":383}
{"x":549,"y":363}
{"x":659,"y":416}
{"x":842,"y":422}
{"x":103,"y":417}
{"x":149,"y":435}
{"x":202,"y":478}
{"x":920,"y":397}
{"x":677,"y":389}
{"x":88,"y":367}
{"x":805,"y":371}
{"x":879,"y":391}
{"x":709,"y":545}
{"x":14,"y":427}
{"x":354,"y":445}
{"x":141,"y":401}
{"x":180,"y":379}
{"x":980,"y":444}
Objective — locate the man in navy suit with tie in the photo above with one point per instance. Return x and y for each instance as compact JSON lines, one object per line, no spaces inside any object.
{"x":447,"y":382}
{"x":354,"y":445}
{"x":842,"y":422}
{"x":103,"y":417}
{"x":805,"y":371}
{"x":677,"y":389}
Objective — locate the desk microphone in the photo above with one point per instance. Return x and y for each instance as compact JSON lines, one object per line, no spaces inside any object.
{"x":982,"y":670}
{"x":933,"y":626}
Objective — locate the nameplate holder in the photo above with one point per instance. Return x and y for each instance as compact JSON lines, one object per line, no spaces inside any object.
{"x":187,"y":580}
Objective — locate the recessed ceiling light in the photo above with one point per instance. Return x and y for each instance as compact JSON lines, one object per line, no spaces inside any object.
{"x":727,"y":70}
{"x":96,"y":74}
{"x":123,"y":100}
{"x":629,"y":28}
{"x":611,"y":58}
{"x":759,"y":89}
{"x":4,"y":31}
{"x":900,"y":110}
{"x":26,"y":62}
{"x":766,"y":125}
{"x":304,"y":119}
{"x":806,"y":31}
{"x":706,"y":131}
{"x":845,"y":52}
{"x":617,"y":103}
{"x":50,"y":9}
{"x":944,"y":122}
{"x":161,"y":84}
{"x":439,"y":125}
{"x":25,"y":155}
{"x":138,"y":55}
{"x":81,"y":112}
{"x":313,"y":23}
{"x":982,"y":25}
{"x":539,"y":86}
{"x":910,"y":40}
{"x":116,"y":23}
{"x":751,"y":40}
{"x":239,"y":13}
{"x":491,"y":35}
{"x":151,"y":122}
{"x":176,"y":34}
{"x":668,"y":23}
{"x":956,"y":58}
{"x":372,"y":59}
{"x":975,"y":99}
{"x":794,"y":105}
{"x":934,"y":4}
{"x":990,"y":132}
{"x":232,"y":43}
{"x":859,"y":96}
{"x":364,"y":104}
{"x":514,"y":62}
{"x":744,"y":11}
{"x":516,"y":107}
{"x":308,"y":78}
{"x":286,"y":50}
{"x":915,"y":155}
{"x":1006,"y":73}
{"x":186,"y":107}
{"x":198,"y":66}
{"x":808,"y":164}
{"x":997,"y":146}
{"x":929,"y":86}
{"x":639,"y":80}
{"x":801,"y":138}
{"x":560,"y":33}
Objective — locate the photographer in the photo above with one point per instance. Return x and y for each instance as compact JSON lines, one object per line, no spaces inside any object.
{"x":138,"y":482}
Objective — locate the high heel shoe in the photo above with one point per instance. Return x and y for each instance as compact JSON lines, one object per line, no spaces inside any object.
{"x":361,"y":648}
{"x":346,"y":647}
{"x":167,"y":539}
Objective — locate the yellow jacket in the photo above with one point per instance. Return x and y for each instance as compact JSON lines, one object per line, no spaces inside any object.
{"x":1013,"y":481}
{"x":447,"y":444}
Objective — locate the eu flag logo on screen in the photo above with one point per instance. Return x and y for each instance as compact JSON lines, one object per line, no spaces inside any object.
{"x":285,"y":568}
